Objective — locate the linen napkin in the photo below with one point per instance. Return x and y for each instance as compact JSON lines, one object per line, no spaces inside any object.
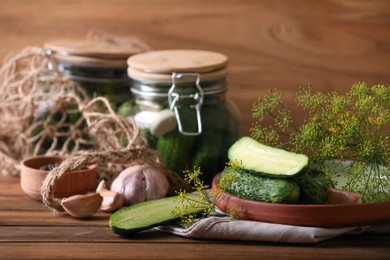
{"x":226,"y":228}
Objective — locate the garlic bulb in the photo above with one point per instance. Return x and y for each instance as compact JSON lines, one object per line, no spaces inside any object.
{"x":139,"y":183}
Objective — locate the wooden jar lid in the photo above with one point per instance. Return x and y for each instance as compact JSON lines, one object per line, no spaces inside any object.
{"x":92,"y":53}
{"x":91,"y":48}
{"x":90,"y":61}
{"x":167,"y":77}
{"x":155,"y":65}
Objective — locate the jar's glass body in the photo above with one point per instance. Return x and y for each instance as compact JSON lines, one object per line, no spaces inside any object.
{"x":207,"y":144}
{"x":110,"y":82}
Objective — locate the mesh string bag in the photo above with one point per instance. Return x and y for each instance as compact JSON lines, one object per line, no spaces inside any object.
{"x":44,"y":113}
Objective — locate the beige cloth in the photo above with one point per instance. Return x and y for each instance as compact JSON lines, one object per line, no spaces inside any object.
{"x":222,"y":227}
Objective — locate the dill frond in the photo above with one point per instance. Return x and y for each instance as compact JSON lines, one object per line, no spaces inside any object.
{"x":353,"y":127}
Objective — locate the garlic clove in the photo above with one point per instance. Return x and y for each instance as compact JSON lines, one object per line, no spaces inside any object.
{"x":158,"y":122}
{"x":157,"y":184}
{"x":83,"y":205}
{"x":134,"y":190}
{"x":164,"y":123}
{"x":111,"y":200}
{"x":101,"y":186}
{"x":144,"y":118}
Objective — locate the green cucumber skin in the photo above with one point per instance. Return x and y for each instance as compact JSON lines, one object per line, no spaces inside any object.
{"x":208,"y":154}
{"x":209,"y":150}
{"x":255,"y":187}
{"x":220,"y":131}
{"x":323,"y":180}
{"x":145,"y":215}
{"x":174,"y":147}
{"x":267,"y":161}
{"x":311,"y":191}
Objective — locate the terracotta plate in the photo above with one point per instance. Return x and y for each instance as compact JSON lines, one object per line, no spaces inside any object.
{"x":331,"y":216}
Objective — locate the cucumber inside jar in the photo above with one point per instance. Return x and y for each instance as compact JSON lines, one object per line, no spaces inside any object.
{"x":220,"y":131}
{"x":98,"y":65}
{"x":111,"y":83}
{"x":207,"y":150}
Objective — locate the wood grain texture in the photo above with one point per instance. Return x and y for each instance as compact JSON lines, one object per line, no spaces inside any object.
{"x":271,"y":44}
{"x":28,"y":230}
{"x":142,"y":250}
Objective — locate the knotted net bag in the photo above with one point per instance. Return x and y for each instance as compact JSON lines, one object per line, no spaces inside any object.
{"x":44,"y":113}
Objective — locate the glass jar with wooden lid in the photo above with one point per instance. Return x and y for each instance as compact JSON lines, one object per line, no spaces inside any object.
{"x":180,"y":104}
{"x":98,"y":66}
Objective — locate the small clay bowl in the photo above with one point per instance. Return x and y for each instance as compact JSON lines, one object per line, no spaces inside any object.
{"x":71,"y":183}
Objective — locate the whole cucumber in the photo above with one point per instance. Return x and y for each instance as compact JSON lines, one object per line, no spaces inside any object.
{"x":311,"y":191}
{"x":252,"y":186}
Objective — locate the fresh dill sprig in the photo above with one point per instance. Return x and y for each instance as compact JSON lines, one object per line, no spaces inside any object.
{"x":351,"y":128}
{"x":207,"y":199}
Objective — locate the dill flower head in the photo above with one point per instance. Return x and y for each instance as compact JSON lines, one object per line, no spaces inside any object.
{"x":207,"y":199}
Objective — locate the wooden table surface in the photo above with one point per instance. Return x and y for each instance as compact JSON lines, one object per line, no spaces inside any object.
{"x":28,"y":230}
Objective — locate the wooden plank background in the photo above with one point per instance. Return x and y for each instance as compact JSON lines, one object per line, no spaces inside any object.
{"x":279,"y":44}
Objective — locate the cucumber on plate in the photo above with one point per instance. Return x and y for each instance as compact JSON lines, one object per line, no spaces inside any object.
{"x":255,"y":187}
{"x":266,"y":160}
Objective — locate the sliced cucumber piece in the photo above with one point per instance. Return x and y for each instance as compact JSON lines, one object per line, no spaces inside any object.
{"x":266,"y":160}
{"x":148,"y":214}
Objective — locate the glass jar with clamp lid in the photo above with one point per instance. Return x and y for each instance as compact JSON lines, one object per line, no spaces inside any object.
{"x":180,"y":104}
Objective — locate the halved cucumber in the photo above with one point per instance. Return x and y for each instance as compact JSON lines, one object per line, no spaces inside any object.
{"x":148,"y":214}
{"x":266,"y":160}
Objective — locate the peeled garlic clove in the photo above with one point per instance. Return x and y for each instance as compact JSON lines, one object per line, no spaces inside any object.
{"x":131,"y":184}
{"x":82,"y":206}
{"x":164,"y":123}
{"x":144,"y":118}
{"x":157,"y":184}
{"x":158,"y":122}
